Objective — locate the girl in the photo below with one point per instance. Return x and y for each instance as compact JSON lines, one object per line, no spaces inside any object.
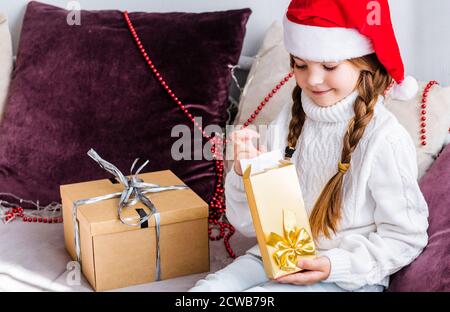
{"x":356,"y":164}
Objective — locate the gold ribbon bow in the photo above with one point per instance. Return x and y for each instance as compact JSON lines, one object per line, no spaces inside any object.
{"x":296,"y":242}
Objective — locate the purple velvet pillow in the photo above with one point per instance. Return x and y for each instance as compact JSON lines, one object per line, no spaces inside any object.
{"x":431,"y":270}
{"x":77,"y":87}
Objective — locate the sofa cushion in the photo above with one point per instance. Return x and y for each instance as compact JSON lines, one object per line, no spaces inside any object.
{"x":77,"y":87}
{"x":430,"y":271}
{"x":438,"y":122}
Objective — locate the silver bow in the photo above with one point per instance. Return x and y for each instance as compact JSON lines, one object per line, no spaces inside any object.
{"x":134,"y":190}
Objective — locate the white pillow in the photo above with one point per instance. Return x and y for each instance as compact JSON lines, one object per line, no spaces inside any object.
{"x":272,"y":64}
{"x":6,"y":60}
{"x":438,"y":122}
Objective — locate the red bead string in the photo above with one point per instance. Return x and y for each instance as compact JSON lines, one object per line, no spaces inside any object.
{"x":217,"y":204}
{"x":423,"y":112}
{"x":266,"y":99}
{"x":18,"y":213}
{"x":14,"y":213}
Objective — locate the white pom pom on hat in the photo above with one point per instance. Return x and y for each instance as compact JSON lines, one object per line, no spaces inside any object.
{"x":330,"y":31}
{"x":405,"y":90}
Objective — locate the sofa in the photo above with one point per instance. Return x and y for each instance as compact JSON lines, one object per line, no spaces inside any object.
{"x":38,"y":124}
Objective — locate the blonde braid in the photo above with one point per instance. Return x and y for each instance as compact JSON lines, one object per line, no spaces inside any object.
{"x":372,"y":82}
{"x":298,"y":118}
{"x":328,"y":208}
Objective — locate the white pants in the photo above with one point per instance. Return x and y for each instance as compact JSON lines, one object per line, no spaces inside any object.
{"x":246,"y":273}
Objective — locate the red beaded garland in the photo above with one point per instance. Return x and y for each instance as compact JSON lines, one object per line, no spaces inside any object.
{"x":217,"y":203}
{"x":267,"y":99}
{"x":423,"y":111}
{"x":19,"y":213}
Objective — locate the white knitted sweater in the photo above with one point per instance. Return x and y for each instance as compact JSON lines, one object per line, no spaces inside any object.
{"x":384,"y":221}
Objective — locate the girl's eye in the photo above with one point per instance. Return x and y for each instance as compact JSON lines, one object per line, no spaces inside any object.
{"x":329,"y":68}
{"x":300,"y":66}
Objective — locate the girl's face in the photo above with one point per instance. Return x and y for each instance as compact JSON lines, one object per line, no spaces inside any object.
{"x":326,"y":83}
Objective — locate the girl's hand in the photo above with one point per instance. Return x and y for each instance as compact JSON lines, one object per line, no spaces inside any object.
{"x":316,"y":270}
{"x":243,"y":147}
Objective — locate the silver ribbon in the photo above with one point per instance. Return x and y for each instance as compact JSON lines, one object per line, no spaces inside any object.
{"x":134,"y":190}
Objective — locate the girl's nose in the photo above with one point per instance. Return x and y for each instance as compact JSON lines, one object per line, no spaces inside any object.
{"x":315,"y":77}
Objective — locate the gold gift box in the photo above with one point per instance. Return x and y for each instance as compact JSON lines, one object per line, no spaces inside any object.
{"x":279,"y":217}
{"x":115,"y":255}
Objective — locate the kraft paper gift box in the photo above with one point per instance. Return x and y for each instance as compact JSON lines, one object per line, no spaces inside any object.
{"x":115,"y":255}
{"x":276,"y":205}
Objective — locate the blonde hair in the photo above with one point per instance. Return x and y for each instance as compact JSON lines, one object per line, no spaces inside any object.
{"x":372,"y":82}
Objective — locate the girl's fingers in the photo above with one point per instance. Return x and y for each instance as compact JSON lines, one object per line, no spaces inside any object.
{"x":244,"y":135}
{"x":246,"y":154}
{"x":245,"y":147}
{"x":301,"y":278}
{"x":262,"y":149}
{"x":317,"y":264}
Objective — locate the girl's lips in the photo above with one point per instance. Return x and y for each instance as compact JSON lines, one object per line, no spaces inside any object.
{"x":321,"y":92}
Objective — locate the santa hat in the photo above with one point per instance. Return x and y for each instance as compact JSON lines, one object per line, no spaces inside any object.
{"x":336,"y":30}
